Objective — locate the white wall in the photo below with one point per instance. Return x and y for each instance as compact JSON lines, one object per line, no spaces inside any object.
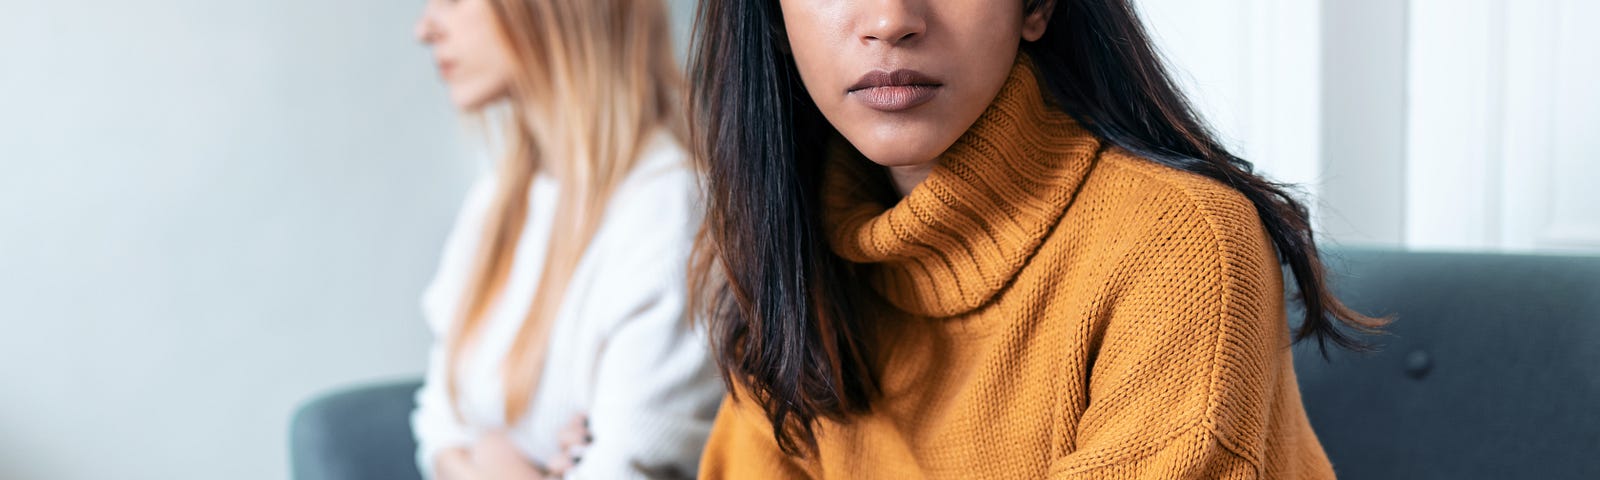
{"x":1423,"y":124}
{"x":1251,"y":67}
{"x":1503,"y":114}
{"x":1363,"y":122}
{"x":208,"y":212}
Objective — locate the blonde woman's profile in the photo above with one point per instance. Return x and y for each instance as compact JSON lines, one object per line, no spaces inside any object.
{"x":562,"y":346}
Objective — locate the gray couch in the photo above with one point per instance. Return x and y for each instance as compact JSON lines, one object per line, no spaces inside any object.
{"x":1492,"y":371}
{"x":362,"y":432}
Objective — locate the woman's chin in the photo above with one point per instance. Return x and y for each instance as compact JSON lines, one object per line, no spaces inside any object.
{"x":902,"y":153}
{"x":905,"y":144}
{"x":472,"y":101}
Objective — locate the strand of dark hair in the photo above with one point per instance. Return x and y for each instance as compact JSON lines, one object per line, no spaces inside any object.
{"x":780,"y":319}
{"x":1102,"y":68}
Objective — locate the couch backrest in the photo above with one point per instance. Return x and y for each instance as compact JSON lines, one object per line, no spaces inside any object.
{"x":356,"y":433}
{"x":1492,"y":369}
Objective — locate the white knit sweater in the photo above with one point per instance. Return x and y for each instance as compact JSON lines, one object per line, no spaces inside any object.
{"x":620,"y":349}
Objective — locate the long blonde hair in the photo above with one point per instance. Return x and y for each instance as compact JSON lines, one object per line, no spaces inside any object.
{"x":595,"y":80}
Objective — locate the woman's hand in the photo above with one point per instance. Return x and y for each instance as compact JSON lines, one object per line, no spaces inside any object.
{"x":495,"y":457}
{"x":454,"y":464}
{"x":574,"y":439}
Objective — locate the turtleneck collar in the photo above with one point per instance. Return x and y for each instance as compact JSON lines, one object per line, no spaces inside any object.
{"x":963,"y":234}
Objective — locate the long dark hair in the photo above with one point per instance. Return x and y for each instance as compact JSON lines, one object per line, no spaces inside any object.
{"x":782,"y":307}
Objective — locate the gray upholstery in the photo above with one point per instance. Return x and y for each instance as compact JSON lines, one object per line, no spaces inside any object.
{"x":1492,"y":369}
{"x":358,"y":433}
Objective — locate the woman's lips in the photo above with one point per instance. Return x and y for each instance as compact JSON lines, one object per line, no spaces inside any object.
{"x":895,"y":91}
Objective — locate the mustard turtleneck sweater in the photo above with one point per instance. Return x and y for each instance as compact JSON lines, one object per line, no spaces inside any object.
{"x":1055,"y":307}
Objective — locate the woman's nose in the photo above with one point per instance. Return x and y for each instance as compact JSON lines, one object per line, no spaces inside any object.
{"x":892,"y":22}
{"x":425,"y":29}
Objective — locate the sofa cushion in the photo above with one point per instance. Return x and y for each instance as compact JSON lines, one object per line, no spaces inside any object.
{"x":356,"y":434}
{"x":1491,"y":370}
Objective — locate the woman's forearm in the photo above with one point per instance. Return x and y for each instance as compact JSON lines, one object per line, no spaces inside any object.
{"x":454,"y":464}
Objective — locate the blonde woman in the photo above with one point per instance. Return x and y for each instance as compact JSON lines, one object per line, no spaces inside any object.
{"x":559,"y":299}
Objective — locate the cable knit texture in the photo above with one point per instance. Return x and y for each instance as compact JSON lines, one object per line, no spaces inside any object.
{"x":1052,"y":307}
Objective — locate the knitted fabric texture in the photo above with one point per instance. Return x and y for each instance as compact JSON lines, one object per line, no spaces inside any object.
{"x":1052,"y":307}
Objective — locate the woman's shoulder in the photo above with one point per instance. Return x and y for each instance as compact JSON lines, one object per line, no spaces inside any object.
{"x":1173,"y":207}
{"x":645,"y":237}
{"x":659,"y":199}
{"x":1149,"y":179}
{"x":663,"y":166}
{"x":662,"y":159}
{"x":663,"y":181}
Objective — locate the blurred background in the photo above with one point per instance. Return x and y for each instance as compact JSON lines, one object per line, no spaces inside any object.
{"x":212,"y":210}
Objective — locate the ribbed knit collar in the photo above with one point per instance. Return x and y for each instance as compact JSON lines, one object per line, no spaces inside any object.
{"x":963,"y":234}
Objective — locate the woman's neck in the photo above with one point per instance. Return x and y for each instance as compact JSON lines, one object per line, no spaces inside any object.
{"x":968,"y":222}
{"x":906,"y":178}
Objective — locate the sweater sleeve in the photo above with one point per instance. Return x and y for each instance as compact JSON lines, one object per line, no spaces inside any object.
{"x":655,"y":395}
{"x":1180,"y":384}
{"x":742,"y":445}
{"x":433,"y":423}
{"x":655,"y":390}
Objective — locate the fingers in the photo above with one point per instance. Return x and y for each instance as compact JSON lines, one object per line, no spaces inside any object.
{"x":494,"y":447}
{"x":495,"y":455}
{"x":576,"y":434}
{"x":574,"y":439}
{"x":453,"y":464}
{"x":560,"y":465}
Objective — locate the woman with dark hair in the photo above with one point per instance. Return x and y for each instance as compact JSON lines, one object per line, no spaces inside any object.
{"x":989,"y":239}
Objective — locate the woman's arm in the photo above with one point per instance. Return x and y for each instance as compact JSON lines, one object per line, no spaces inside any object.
{"x":655,"y":394}
{"x":1188,"y":368}
{"x":655,"y":386}
{"x":434,"y":423}
{"x":494,"y":457}
{"x":742,"y":445}
{"x":454,"y":463}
